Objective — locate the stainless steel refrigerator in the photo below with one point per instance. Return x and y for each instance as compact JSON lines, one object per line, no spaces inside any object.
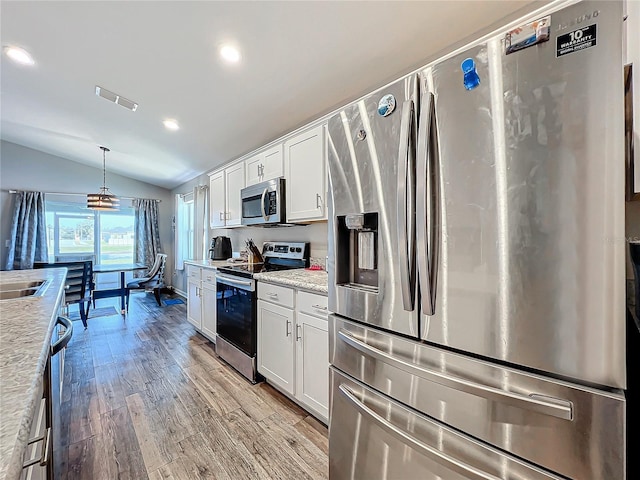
{"x":476,"y":263}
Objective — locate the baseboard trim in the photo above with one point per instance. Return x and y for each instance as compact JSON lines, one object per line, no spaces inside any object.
{"x":179,"y":292}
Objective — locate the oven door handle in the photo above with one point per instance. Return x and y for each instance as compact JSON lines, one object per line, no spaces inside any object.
{"x":225,"y":279}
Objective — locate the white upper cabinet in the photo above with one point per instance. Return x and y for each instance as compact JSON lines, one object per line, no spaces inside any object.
{"x":264,"y":166}
{"x":217,"y":199}
{"x":224,"y":196}
{"x":234,"y":176}
{"x":305,"y":160}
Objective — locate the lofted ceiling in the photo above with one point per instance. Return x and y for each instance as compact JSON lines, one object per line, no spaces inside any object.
{"x":299,"y":60}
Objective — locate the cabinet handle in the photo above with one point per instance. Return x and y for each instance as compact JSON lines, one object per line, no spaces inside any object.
{"x":209,"y":278}
{"x":318,"y":201}
{"x":288,"y":328}
{"x":220,"y":213}
{"x":44,"y":459}
{"x":319,"y":307}
{"x":298,"y":333}
{"x":272,"y":295}
{"x":227,"y":215}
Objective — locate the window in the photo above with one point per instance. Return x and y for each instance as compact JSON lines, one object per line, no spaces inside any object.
{"x":73,"y":230}
{"x":184,"y":229}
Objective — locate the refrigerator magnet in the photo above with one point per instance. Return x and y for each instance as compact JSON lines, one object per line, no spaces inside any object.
{"x":470,"y":77}
{"x":386,"y":105}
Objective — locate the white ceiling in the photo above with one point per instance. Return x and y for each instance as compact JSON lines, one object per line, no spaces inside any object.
{"x":300,"y":60}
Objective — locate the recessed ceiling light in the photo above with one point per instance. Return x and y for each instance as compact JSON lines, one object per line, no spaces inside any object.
{"x":19,"y":55}
{"x":230,"y":54}
{"x":171,"y":124}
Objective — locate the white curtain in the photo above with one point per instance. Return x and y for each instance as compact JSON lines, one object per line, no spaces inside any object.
{"x":201,"y":215}
{"x":178,"y":232}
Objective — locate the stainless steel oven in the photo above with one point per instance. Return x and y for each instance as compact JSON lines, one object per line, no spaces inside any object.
{"x":236,"y":326}
{"x":236,"y":308}
{"x":263,"y":203}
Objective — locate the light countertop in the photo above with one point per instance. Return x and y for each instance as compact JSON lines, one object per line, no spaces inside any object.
{"x":212,"y":263}
{"x":26,"y":326}
{"x":312,"y":280}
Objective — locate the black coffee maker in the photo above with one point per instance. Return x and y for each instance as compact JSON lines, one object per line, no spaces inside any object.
{"x":220,"y":248}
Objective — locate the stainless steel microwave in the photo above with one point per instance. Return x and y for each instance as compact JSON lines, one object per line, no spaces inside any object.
{"x":263,"y":203}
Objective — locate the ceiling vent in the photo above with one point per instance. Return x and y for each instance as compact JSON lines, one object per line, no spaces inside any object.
{"x":115,"y":98}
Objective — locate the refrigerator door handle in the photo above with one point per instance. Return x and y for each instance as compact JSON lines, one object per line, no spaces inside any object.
{"x":406,"y":206}
{"x":422,"y":234}
{"x":426,"y":450}
{"x":546,"y":405}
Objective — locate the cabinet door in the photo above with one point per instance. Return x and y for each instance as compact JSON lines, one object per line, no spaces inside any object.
{"x":234,"y":183}
{"x":217,"y":199}
{"x":305,"y":171}
{"x":276,"y":347}
{"x":253,"y":169}
{"x":312,"y":363}
{"x":272,"y":164}
{"x":194,"y":304}
{"x":209,"y":309}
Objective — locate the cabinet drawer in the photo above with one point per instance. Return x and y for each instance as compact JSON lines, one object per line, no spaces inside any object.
{"x":276,"y":294}
{"x":313,"y":304}
{"x":209,"y":276}
{"x":194,"y":272}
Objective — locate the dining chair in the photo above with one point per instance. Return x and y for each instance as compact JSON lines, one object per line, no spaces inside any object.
{"x":81,"y":258}
{"x":78,"y":285}
{"x":152,"y":281}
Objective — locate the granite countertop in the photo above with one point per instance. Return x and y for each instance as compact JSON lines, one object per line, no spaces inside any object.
{"x":26,"y":327}
{"x":212,"y":263}
{"x":302,"y":278}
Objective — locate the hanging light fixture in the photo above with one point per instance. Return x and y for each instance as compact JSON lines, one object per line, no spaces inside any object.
{"x":103,"y":200}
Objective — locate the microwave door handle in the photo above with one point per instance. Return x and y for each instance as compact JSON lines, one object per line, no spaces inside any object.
{"x":422,"y":235}
{"x":405,"y":206}
{"x":262,"y":209}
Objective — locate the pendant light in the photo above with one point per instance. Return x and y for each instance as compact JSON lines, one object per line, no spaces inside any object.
{"x":103,"y":200}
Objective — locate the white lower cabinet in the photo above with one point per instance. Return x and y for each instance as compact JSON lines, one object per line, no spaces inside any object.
{"x":208,"y":297}
{"x":35,"y":450}
{"x":194,"y":303}
{"x":293,"y":345}
{"x":201,"y":300}
{"x":276,"y":346}
{"x":312,"y":363}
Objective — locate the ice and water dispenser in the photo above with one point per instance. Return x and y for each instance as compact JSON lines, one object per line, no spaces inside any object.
{"x":357,"y":254}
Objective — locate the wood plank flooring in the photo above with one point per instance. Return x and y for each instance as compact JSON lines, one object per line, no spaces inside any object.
{"x":146,"y":397}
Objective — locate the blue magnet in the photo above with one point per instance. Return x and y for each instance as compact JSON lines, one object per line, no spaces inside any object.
{"x":471,"y":78}
{"x":387,"y":105}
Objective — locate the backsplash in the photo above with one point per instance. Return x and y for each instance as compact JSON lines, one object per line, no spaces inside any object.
{"x":315,"y":234}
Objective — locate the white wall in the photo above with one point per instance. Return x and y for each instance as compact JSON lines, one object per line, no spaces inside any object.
{"x":23,"y":168}
{"x":315,"y":233}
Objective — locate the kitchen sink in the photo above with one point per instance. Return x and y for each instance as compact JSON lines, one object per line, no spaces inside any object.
{"x":10,"y":291}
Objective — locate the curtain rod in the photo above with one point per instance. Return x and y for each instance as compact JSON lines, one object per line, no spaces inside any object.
{"x":83,"y":195}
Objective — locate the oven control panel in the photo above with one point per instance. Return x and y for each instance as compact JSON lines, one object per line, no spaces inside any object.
{"x":295,"y":250}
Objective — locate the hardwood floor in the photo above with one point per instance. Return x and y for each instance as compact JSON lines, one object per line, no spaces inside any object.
{"x":146,"y":397}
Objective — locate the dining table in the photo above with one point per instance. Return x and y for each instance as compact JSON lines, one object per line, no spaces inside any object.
{"x":122,"y":290}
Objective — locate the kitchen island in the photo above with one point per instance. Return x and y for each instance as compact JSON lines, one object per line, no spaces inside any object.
{"x":26,"y":328}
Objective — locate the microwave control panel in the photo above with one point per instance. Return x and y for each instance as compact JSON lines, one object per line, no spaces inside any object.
{"x":271,"y":206}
